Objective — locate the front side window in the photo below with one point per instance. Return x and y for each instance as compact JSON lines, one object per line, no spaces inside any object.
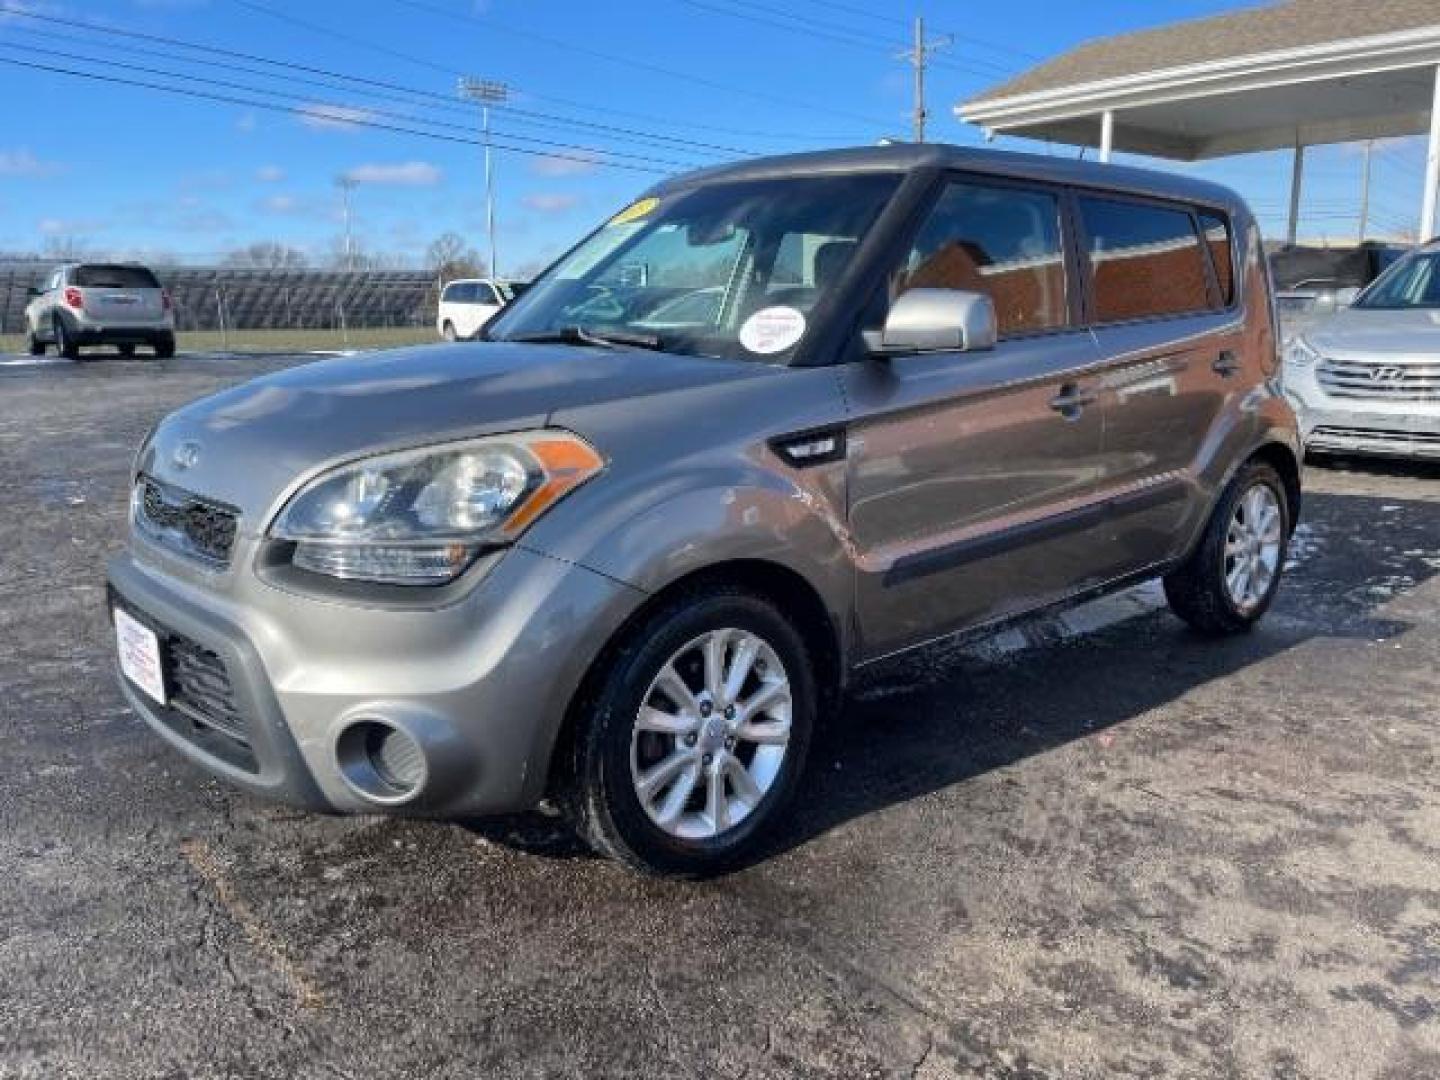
{"x":1413,"y":282}
{"x":1004,"y":242}
{"x":729,"y":270}
{"x":1144,"y":260}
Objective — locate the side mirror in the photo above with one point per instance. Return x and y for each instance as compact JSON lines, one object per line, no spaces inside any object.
{"x":1345,"y":297}
{"x":32,"y":292}
{"x":936,"y":320}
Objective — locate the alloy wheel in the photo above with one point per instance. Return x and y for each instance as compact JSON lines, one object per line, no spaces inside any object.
{"x":1252,"y":547}
{"x":711,"y":735}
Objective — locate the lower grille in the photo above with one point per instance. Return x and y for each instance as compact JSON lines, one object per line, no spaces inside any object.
{"x":1425,"y":444}
{"x":1379,"y":380}
{"x":201,"y":706}
{"x":184,"y":522}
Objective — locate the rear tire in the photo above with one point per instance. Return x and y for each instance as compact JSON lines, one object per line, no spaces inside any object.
{"x":165,"y":347}
{"x":1231,"y":578}
{"x":125,"y":350}
{"x":448,"y":332}
{"x":679,"y":780}
{"x":65,"y":343}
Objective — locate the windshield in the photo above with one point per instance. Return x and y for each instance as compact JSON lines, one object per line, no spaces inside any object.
{"x":1413,"y":282}
{"x":726,"y":270}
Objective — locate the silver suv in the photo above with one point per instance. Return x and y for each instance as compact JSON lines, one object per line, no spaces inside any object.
{"x":625,"y":551}
{"x":85,"y":304}
{"x":1366,"y":380}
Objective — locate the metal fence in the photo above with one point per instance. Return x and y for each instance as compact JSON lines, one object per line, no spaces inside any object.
{"x":227,"y":299}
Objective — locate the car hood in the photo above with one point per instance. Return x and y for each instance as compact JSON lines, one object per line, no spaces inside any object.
{"x":1364,"y":332}
{"x":249,"y":445}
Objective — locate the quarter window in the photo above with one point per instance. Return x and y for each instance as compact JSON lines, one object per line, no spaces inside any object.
{"x":1144,"y":260}
{"x":1003,"y":242}
{"x":1217,"y":239}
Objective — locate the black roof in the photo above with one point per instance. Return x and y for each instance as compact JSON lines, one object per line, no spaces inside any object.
{"x":904,"y":157}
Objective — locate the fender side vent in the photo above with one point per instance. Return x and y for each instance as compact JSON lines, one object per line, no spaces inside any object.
{"x":806,"y":448}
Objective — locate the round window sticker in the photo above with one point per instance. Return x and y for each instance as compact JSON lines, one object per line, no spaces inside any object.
{"x":772,"y":330}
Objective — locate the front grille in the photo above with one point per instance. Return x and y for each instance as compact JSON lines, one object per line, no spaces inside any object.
{"x":185,"y":523}
{"x":1379,"y":380}
{"x":1422,"y":442}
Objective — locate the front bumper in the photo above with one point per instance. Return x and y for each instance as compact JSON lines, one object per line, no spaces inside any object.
{"x":481,"y":685}
{"x":1328,"y":424}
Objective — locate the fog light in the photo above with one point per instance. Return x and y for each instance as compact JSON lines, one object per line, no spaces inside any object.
{"x":380,"y":761}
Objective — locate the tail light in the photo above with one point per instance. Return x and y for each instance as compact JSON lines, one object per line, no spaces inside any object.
{"x":165,"y":300}
{"x":74,"y":298}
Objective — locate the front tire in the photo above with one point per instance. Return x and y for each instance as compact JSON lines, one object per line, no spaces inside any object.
{"x":694,"y":742}
{"x":448,"y":333}
{"x":126,"y":351}
{"x":34,"y":344}
{"x":165,"y":347}
{"x":65,"y":343}
{"x":1230,"y":580}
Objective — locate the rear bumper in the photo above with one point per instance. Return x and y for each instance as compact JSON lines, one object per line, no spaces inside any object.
{"x":122,"y":335}
{"x":481,"y":686}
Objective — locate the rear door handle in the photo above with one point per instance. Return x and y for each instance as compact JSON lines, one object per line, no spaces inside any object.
{"x":1225,"y":364}
{"x":1071,"y":401}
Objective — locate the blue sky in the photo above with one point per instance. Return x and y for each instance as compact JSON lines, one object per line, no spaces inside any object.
{"x":136,"y":171}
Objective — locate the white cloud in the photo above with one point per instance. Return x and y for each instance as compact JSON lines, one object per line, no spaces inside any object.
{"x":280,"y":204}
{"x":576,"y":165}
{"x":550,"y":203}
{"x":70,"y":226}
{"x":22,"y":162}
{"x":246,"y":122}
{"x":270,"y":174}
{"x":403,"y":174}
{"x":333,"y":117}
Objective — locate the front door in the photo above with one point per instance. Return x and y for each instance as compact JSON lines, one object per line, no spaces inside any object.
{"x":975,"y":477}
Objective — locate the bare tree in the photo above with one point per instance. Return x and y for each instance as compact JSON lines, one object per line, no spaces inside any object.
{"x":65,"y":248}
{"x":268,"y":255}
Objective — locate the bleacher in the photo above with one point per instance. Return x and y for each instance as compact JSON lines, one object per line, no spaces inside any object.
{"x":213,"y":298}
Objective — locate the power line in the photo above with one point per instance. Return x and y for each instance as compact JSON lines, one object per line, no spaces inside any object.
{"x":893,"y":20}
{"x":370,"y":87}
{"x":299,"y":111}
{"x":343,"y":111}
{"x":452,"y":73}
{"x":641,"y":65}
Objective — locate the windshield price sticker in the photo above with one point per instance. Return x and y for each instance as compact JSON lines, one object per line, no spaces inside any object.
{"x":772,"y":330}
{"x":635,"y":211}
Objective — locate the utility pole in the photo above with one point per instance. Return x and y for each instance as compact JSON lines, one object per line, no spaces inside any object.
{"x":1365,"y":190}
{"x":347,"y":184}
{"x":917,"y":56}
{"x":487,"y":92}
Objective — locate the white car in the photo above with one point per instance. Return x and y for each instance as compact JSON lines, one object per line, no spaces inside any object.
{"x":465,"y":306}
{"x":100,"y":304}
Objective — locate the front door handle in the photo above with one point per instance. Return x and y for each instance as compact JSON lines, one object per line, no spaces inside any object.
{"x":1071,"y":401}
{"x":1225,"y":364}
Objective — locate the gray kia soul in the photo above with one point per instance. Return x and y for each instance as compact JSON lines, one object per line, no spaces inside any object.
{"x":769,"y":424}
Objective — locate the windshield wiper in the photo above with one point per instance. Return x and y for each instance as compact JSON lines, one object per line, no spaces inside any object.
{"x":579,"y":335}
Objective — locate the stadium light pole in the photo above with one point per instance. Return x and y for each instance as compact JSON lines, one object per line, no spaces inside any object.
{"x":347,"y":184}
{"x":487,"y":92}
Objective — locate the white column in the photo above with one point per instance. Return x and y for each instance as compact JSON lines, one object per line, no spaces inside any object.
{"x":1297,"y":174}
{"x":1432,"y":167}
{"x":1107,"y":134}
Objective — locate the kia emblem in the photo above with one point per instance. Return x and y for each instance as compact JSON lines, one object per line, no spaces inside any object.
{"x":186,"y":456}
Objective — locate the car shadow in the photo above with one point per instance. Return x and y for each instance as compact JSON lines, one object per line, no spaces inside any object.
{"x":948,"y":713}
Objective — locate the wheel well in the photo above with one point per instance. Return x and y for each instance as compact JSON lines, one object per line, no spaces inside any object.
{"x":792,"y":594}
{"x":1282,"y":460}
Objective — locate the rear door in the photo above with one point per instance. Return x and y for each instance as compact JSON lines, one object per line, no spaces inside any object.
{"x":119,"y":295}
{"x":974,"y":475}
{"x":1171,"y":336}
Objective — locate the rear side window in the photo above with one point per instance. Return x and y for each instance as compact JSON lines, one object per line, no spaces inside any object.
{"x":1217,"y":239}
{"x":1004,"y":242}
{"x":1144,"y":260}
{"x":101,"y":276}
{"x":451,"y":294}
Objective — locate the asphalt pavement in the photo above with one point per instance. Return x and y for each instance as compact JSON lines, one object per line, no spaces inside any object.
{"x":1100,"y":846}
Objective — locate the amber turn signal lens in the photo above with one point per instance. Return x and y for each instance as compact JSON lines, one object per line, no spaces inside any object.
{"x":568,"y":462}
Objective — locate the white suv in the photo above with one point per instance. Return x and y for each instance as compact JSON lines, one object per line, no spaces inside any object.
{"x":100,"y":304}
{"x":467,"y":304}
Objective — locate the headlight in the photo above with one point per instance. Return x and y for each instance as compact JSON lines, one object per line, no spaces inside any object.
{"x":420,"y":517}
{"x":1299,"y":353}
